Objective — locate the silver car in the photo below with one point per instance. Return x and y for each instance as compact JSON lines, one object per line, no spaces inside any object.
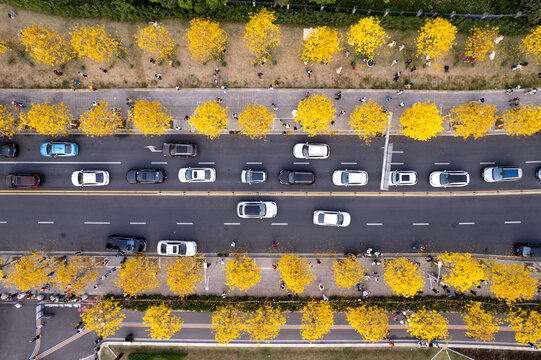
{"x":90,"y":178}
{"x":449,"y":178}
{"x":253,"y":176}
{"x":399,"y":178}
{"x":189,"y":175}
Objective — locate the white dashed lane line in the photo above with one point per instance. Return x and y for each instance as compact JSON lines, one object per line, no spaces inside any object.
{"x":513,"y":222}
{"x":487,"y":163}
{"x":442,"y":163}
{"x":374,"y":224}
{"x":206,"y":163}
{"x":185,"y":223}
{"x":280,"y":224}
{"x":393,"y":163}
{"x":466,"y":223}
{"x":348,"y":163}
{"x":97,"y":223}
{"x":137,"y":223}
{"x":301,"y":163}
{"x":3,"y":222}
{"x":46,"y":222}
{"x":421,"y":224}
{"x":254,"y":163}
{"x":231,"y":224}
{"x":398,"y":151}
{"x":533,"y":162}
{"x":159,"y":162}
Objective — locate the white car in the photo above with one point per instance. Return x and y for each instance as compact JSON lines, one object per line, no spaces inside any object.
{"x":449,"y":178}
{"x":398,"y":178}
{"x":177,"y":248}
{"x":188,"y":175}
{"x":349,"y":177}
{"x":311,"y":151}
{"x":501,"y":173}
{"x":90,"y":178}
{"x":257,"y":209}
{"x":332,"y":218}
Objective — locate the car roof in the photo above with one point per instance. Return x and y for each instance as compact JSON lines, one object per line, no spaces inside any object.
{"x":457,"y":178}
{"x":317,"y":149}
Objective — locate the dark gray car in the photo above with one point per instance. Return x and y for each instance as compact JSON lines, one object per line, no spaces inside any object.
{"x":292,"y":177}
{"x":180,"y":150}
{"x":145,"y":176}
{"x":528,"y":250}
{"x":127,"y":244}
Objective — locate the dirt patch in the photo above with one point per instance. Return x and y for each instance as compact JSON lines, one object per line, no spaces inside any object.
{"x":498,"y":354}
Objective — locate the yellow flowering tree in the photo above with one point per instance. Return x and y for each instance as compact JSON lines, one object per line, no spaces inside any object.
{"x":156,"y":40}
{"x":28,"y":272}
{"x":137,"y":275}
{"x":321,"y":45}
{"x":45,"y":45}
{"x":48,"y":119}
{"x":93,"y":42}
{"x":436,"y":38}
{"x":422,"y":121}
{"x":531,"y":44}
{"x":481,"y":325}
{"x":183,"y":274}
{"x":8,"y":125}
{"x":481,"y":42}
{"x":103,"y":317}
{"x":262,"y":35}
{"x":242,"y":272}
{"x":348,"y":272}
{"x":206,"y":40}
{"x":210,"y":119}
{"x":256,"y":120}
{"x":264,"y":324}
{"x":522,"y":120}
{"x":100,"y":120}
{"x":473,"y":119}
{"x":428,"y":325}
{"x":315,"y":113}
{"x":369,"y":119}
{"x":371,"y":323}
{"x":295,"y":272}
{"x":368,"y":36}
{"x":152,"y":118}
{"x":228,"y":323}
{"x":76,"y":274}
{"x":403,"y":276}
{"x":160,"y":323}
{"x":512,"y":282}
{"x":527,"y":327}
{"x":4,"y":47}
{"x":464,"y":270}
{"x":317,"y":320}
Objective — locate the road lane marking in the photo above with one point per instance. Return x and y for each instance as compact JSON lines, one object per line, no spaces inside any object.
{"x":398,"y":151}
{"x":153,"y":148}
{"x":487,"y":163}
{"x":97,"y":223}
{"x":442,"y":163}
{"x":348,"y":163}
{"x":533,"y":162}
{"x":254,"y":163}
{"x":137,"y":223}
{"x":280,"y":224}
{"x":159,"y":162}
{"x":206,"y":163}
{"x":46,"y":222}
{"x":466,"y":223}
{"x":3,"y":222}
{"x":64,"y":162}
{"x":231,"y":223}
{"x":374,"y":224}
{"x":301,"y":163}
{"x":397,"y":163}
{"x":421,"y":224}
{"x":185,"y":223}
{"x":513,"y":222}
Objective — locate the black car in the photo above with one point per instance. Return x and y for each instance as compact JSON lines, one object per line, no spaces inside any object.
{"x":528,"y":250}
{"x":145,"y":176}
{"x":184,"y":150}
{"x":8,"y":150}
{"x":297,"y":177}
{"x":126,"y":244}
{"x":23,"y":181}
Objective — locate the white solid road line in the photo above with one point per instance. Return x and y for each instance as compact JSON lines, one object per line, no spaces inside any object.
{"x":184,"y":223}
{"x":206,"y":163}
{"x":513,"y":222}
{"x":442,"y":163}
{"x":45,"y":222}
{"x":137,"y":223}
{"x":348,"y":163}
{"x":374,"y":224}
{"x":421,"y":224}
{"x":159,"y":162}
{"x":64,"y":162}
{"x":254,"y":163}
{"x":487,"y":163}
{"x":231,"y":223}
{"x":533,"y":162}
{"x":97,"y":223}
{"x":301,"y":163}
{"x":466,"y":223}
{"x":280,"y":224}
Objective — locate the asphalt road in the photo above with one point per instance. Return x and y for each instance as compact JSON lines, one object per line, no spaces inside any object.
{"x":475,"y":224}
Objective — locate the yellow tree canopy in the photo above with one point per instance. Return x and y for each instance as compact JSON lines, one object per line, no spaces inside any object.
{"x":473,"y":119}
{"x":295,"y":272}
{"x":103,"y":317}
{"x":481,"y":42}
{"x":317,"y":320}
{"x":428,"y":325}
{"x":29,"y":272}
{"x":206,"y":40}
{"x":481,"y":325}
{"x":436,"y":38}
{"x":422,"y":121}
{"x":93,"y":42}
{"x":512,"y":282}
{"x":210,"y":119}
{"x":371,"y":323}
{"x":369,"y":119}
{"x":152,"y":118}
{"x":48,"y":119}
{"x":368,"y":36}
{"x":527,"y":326}
{"x":262,"y":35}
{"x":45,"y":45}
{"x":242,"y":272}
{"x":348,"y":272}
{"x":531,"y":44}
{"x":137,"y":275}
{"x":522,"y":120}
{"x":228,"y":323}
{"x":464,"y":270}
{"x":8,"y":125}
{"x":155,"y":39}
{"x":76,"y":273}
{"x":403,"y":276}
{"x":183,"y":274}
{"x":4,"y":48}
{"x":160,"y":323}
{"x":321,"y":45}
{"x":256,"y":120}
{"x":315,"y":113}
{"x":264,"y":324}
{"x":100,"y":120}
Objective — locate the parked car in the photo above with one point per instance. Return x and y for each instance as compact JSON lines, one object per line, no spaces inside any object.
{"x":292,"y":177}
{"x":349,"y":177}
{"x":501,"y":173}
{"x":528,"y":250}
{"x":15,"y":181}
{"x":127,"y":244}
{"x":399,"y":178}
{"x":145,"y":176}
{"x":90,"y":178}
{"x":311,"y":151}
{"x":189,"y":175}
{"x":59,"y":149}
{"x":449,"y":178}
{"x":177,"y":248}
{"x":181,"y":150}
{"x":538,"y":174}
{"x":8,"y":150}
{"x":257,"y":209}
{"x":253,"y":176}
{"x":332,"y":218}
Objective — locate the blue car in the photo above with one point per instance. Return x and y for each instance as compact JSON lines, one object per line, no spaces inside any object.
{"x":54,"y":149}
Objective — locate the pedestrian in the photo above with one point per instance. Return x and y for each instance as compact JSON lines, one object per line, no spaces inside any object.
{"x":219,"y":100}
{"x":274,"y":266}
{"x":152,"y":61}
{"x":339,"y":70}
{"x":307,"y":95}
{"x":338,"y":95}
{"x":217,"y":71}
{"x":401,"y":47}
{"x":394,"y":62}
{"x":92,"y":88}
{"x":260,"y":75}
{"x":104,"y":70}
{"x":233,"y":243}
{"x":78,"y":325}
{"x":516,"y":100}
{"x":177,"y":87}
{"x":82,"y":74}
{"x":409,"y":61}
{"x":224,"y":294}
{"x":309,"y":72}
{"x":392,"y":44}
{"x":400,"y":92}
{"x":363,"y":99}
{"x":224,"y":89}
{"x":402,"y":104}
{"x":518,"y":87}
{"x":274,"y":244}
{"x":365,"y":294}
{"x":321,"y":287}
{"x":531,"y":91}
{"x":158,"y":76}
{"x":396,"y":76}
{"x":75,"y":82}
{"x":318,"y":261}
{"x":35,"y":338}
{"x":517,"y":67}
{"x":509,"y":90}
{"x":325,"y":298}
{"x":347,"y":53}
{"x":388,"y":98}
{"x":59,"y":73}
{"x":481,"y":100}
{"x":282,"y":285}
{"x":413,"y":68}
{"x":216,"y":82}
{"x":342,"y":112}
{"x":274,"y":107}
{"x":235,"y":116}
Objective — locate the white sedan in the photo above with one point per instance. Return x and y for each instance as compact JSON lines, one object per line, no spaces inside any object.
{"x":177,"y":248}
{"x":188,"y":175}
{"x":257,"y":209}
{"x":90,"y":178}
{"x":332,"y":218}
{"x":349,"y":177}
{"x":449,"y":178}
{"x":311,"y":151}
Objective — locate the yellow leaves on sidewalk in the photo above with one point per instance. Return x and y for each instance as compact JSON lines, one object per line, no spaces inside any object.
{"x":264,"y":324}
{"x":512,"y":282}
{"x":422,"y":121}
{"x":210,"y":118}
{"x":436,"y":38}
{"x":369,"y":119}
{"x":8,"y":125}
{"x":315,"y":113}
{"x":76,"y":273}
{"x":428,"y":325}
{"x":464,"y":270}
{"x":321,"y":45}
{"x":93,"y":42}
{"x":137,"y":275}
{"x":262,"y":35}
{"x":48,"y":119}
{"x":206,"y":40}
{"x":473,"y":119}
{"x":152,"y":118}
{"x":227,"y":324}
{"x":481,"y":42}
{"x":527,"y":326}
{"x":100,"y":120}
{"x":45,"y":45}
{"x":317,"y":320}
{"x":522,"y":120}
{"x":242,"y":272}
{"x":481,"y":325}
{"x":155,"y":39}
{"x":371,"y":323}
{"x":256,"y":121}
{"x":348,"y":272}
{"x":103,"y":317}
{"x":184,"y":273}
{"x":403,"y":276}
{"x":531,"y":44}
{"x":367,"y":36}
{"x":295,"y":272}
{"x":29,"y":272}
{"x":160,"y":322}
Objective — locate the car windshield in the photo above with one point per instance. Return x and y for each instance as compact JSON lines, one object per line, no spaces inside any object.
{"x":497,"y":173}
{"x":189,"y":175}
{"x":339,"y":219}
{"x":49,"y":148}
{"x":80,"y":178}
{"x":180,"y":249}
{"x":444,"y":179}
{"x":207,"y":174}
{"x":526,"y":251}
{"x":254,"y":210}
{"x":305,"y":150}
{"x":321,"y":218}
{"x":345,"y":177}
